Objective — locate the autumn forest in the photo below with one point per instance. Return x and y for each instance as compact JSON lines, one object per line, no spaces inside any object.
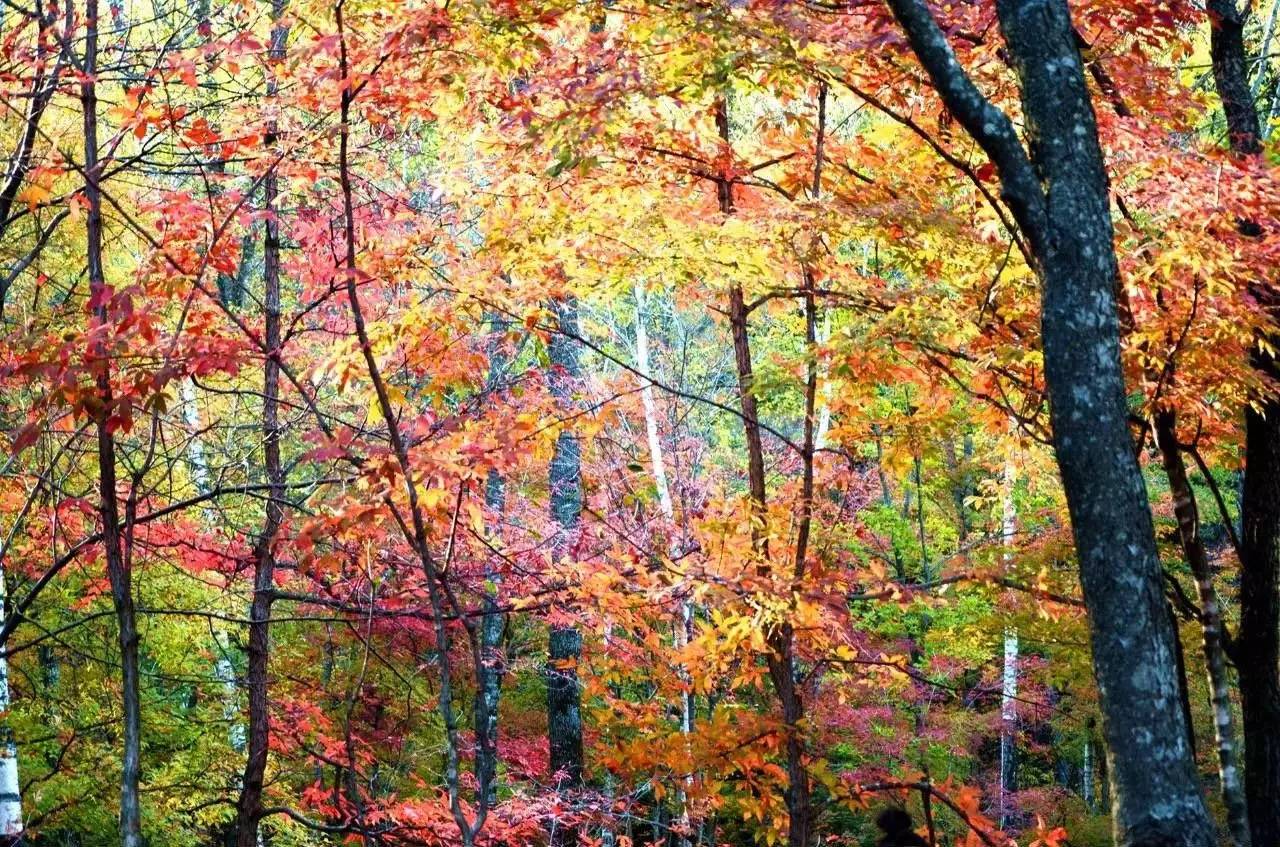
{"x":639,"y":423}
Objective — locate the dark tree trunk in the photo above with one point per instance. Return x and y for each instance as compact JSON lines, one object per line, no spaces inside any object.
{"x":780,"y":660}
{"x":249,"y":804}
{"x":1213,"y":635}
{"x":493,"y":661}
{"x":42,"y":87}
{"x":1257,"y":647}
{"x":118,"y":562}
{"x":1059,"y":198}
{"x":1184,"y":690}
{"x":564,"y":710}
{"x":489,"y":689}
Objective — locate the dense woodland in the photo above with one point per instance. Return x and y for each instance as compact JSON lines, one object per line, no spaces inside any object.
{"x":639,"y":423}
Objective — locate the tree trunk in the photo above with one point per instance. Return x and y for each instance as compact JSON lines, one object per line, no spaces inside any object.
{"x":249,"y":804}
{"x":118,"y":564}
{"x":1058,"y":195}
{"x":1086,"y":774}
{"x":564,"y":706}
{"x":1009,"y":674}
{"x":684,"y":625}
{"x":493,"y":661}
{"x":780,"y":660}
{"x":1158,"y":799}
{"x":43,"y":85}
{"x":11,"y":824}
{"x":1257,"y":647}
{"x":1211,"y":627}
{"x":489,"y":689}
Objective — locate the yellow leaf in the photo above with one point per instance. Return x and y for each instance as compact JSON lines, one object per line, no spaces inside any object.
{"x":34,"y":195}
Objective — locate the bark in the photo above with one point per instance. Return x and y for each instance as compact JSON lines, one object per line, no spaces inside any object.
{"x":1008,"y":727}
{"x":684,"y":626}
{"x":780,"y":659}
{"x":489,"y":690}
{"x":441,"y":599}
{"x":489,"y":687}
{"x":1257,"y":645}
{"x":1009,"y":673}
{"x":1212,"y":632}
{"x":1058,"y":196}
{"x":1184,"y":689}
{"x":1231,"y":75}
{"x":10,"y":793}
{"x":119,"y":570}
{"x":249,"y":804}
{"x":1264,"y":56}
{"x":564,"y":697}
{"x":1086,"y":774}
{"x":44,"y":83}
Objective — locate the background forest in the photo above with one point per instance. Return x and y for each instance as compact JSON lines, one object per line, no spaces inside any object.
{"x":639,"y":422}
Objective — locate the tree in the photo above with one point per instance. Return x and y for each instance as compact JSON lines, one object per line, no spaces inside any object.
{"x":564,"y":641}
{"x":1058,"y":196}
{"x":1256,"y":649}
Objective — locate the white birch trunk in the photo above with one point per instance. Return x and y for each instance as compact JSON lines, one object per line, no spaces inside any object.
{"x":1009,"y":676}
{"x":10,"y":791}
{"x":195,"y":444}
{"x":665,"y":503}
{"x":224,"y":669}
{"x":824,"y":396}
{"x":225,"y":672}
{"x":1264,"y":59}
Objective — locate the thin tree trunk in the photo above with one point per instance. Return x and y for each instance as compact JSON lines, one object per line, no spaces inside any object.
{"x":564,"y":698}
{"x":439,"y":595}
{"x":43,"y":85}
{"x":1184,"y":688}
{"x":917,"y":475}
{"x":1009,"y":673}
{"x":1257,"y":647}
{"x":1211,"y":626}
{"x":780,"y":659}
{"x":959,"y":490}
{"x":684,"y":625}
{"x":1264,"y":57}
{"x":11,"y":823}
{"x":195,"y":444}
{"x":824,"y":404}
{"x":118,"y":563}
{"x":249,"y":805}
{"x":1058,"y":195}
{"x":1086,"y":774}
{"x":489,"y":687}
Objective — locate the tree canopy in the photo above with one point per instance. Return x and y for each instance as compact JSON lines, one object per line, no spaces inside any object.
{"x":639,"y":422}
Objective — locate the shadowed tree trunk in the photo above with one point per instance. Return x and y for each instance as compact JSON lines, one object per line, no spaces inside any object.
{"x":1257,"y":646}
{"x":118,"y":563}
{"x":564,"y":715}
{"x":780,"y":639}
{"x":489,"y":688}
{"x":1057,"y":192}
{"x":249,"y":805}
{"x":1211,"y":627}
